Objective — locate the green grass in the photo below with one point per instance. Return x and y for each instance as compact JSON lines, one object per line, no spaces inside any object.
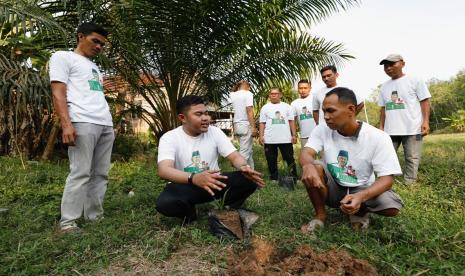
{"x":427,"y":237}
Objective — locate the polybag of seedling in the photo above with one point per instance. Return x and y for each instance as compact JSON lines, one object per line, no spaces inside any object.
{"x":231,"y":223}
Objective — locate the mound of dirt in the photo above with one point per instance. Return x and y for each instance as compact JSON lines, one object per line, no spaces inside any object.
{"x":263,"y":259}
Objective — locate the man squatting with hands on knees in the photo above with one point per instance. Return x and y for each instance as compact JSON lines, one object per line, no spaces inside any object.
{"x":354,"y":153}
{"x":188,"y":158}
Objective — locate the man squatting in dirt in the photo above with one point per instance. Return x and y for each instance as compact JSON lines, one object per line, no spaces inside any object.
{"x":354,"y":151}
{"x":188,"y":158}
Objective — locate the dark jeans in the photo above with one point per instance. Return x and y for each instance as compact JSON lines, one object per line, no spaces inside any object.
{"x":271,"y":154}
{"x":178,"y":200}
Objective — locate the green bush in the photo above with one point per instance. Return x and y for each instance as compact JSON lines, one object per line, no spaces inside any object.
{"x":128,"y":146}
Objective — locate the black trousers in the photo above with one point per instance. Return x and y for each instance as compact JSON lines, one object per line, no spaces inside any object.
{"x":179,"y":200}
{"x":271,"y":154}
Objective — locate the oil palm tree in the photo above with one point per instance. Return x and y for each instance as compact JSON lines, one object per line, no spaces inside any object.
{"x":203,"y":47}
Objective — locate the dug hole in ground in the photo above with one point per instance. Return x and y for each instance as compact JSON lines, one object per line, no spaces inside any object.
{"x":263,"y":259}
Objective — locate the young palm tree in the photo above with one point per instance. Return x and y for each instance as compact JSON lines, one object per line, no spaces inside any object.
{"x":25,"y":102}
{"x":203,"y":47}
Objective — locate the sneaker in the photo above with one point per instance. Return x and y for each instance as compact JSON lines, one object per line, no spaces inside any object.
{"x":70,"y":229}
{"x":360,"y":223}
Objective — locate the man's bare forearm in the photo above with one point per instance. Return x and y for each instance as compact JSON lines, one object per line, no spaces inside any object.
{"x":172,"y":174}
{"x":425,"y":110}
{"x":293,"y":130}
{"x":60,"y":103}
{"x":250,"y":116}
{"x":382,"y":117}
{"x":381,"y":185}
{"x":316,"y":116}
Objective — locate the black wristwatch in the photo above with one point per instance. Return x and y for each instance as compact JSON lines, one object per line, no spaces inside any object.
{"x":189,"y":179}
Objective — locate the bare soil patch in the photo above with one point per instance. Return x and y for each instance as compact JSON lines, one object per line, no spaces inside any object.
{"x":263,"y":259}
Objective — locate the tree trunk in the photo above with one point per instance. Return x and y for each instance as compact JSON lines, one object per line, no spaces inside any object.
{"x":48,"y":151}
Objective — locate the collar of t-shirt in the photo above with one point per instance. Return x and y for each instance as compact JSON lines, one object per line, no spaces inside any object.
{"x":357,"y":131}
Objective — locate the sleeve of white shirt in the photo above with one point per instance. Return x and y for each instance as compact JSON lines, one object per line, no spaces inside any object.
{"x":249,"y":99}
{"x":223,"y":143}
{"x":59,"y":67}
{"x":316,"y":139}
{"x":167,"y":147}
{"x":294,"y":109}
{"x":422,"y":90}
{"x":263,"y":115}
{"x":290,"y":114}
{"x":385,"y":161}
{"x":315,"y":102}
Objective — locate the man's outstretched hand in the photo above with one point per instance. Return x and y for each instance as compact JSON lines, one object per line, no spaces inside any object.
{"x":210,"y":181}
{"x":253,"y":175}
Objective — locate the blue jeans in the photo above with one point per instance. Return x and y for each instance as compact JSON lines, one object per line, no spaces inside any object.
{"x":412,"y":153}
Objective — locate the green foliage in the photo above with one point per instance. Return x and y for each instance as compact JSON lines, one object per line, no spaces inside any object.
{"x":457,"y":120}
{"x":127,"y":146}
{"x":428,"y":235}
{"x":447,"y":98}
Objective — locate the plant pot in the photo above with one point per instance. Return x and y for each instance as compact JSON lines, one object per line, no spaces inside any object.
{"x":287,"y":182}
{"x":232,"y":223}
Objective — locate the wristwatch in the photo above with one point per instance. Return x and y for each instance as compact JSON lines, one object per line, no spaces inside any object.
{"x":190,"y":178}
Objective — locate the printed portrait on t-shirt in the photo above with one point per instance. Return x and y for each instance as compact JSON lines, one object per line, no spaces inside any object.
{"x":94,"y":83}
{"x":197,"y":164}
{"x":341,"y":170}
{"x":395,"y":103}
{"x":278,"y":118}
{"x":306,"y":114}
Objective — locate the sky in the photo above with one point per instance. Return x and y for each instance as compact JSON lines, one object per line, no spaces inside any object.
{"x":429,"y":34}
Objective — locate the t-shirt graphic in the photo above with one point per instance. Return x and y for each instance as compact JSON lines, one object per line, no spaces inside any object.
{"x":197,"y":165}
{"x":278,"y":119}
{"x":306,"y":114}
{"x":341,"y":171}
{"x":395,"y":103}
{"x":94,"y":83}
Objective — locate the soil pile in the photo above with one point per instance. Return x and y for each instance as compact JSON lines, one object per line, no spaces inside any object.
{"x":263,"y":259}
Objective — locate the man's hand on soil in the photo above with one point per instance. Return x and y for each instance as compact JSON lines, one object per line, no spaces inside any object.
{"x":209,"y":181}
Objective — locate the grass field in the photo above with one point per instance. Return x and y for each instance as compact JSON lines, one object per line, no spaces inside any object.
{"x":428,"y":237}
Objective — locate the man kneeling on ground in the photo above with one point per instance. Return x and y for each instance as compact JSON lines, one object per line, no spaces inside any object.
{"x":188,"y":158}
{"x":354,"y":151}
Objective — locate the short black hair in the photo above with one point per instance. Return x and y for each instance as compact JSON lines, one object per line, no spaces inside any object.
{"x":328,"y":67}
{"x":183,"y":104}
{"x":304,"y":81}
{"x":344,"y":95}
{"x":87,"y":28}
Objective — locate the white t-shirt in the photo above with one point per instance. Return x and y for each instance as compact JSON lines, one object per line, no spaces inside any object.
{"x":302,"y":108}
{"x":194,"y":154}
{"x":352,"y":161}
{"x":240,"y":100}
{"x":402,"y":108}
{"x":84,"y":84}
{"x":276,"y":118}
{"x":319,"y":97}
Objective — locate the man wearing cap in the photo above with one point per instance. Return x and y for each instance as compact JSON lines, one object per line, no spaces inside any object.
{"x":404,"y":115}
{"x":354,"y":153}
